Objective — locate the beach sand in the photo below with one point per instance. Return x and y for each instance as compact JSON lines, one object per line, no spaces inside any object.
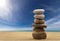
{"x":27,"y":36}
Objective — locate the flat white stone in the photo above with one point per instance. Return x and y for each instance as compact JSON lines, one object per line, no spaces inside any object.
{"x":39,"y":11}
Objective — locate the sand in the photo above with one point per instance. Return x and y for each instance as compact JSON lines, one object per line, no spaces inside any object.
{"x":27,"y":36}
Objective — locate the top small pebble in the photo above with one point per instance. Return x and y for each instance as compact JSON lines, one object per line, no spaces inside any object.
{"x":36,"y":11}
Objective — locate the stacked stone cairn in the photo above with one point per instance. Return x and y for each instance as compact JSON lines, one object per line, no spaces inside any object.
{"x":39,"y":24}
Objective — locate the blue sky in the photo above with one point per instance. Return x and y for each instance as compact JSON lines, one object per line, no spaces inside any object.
{"x":18,"y":15}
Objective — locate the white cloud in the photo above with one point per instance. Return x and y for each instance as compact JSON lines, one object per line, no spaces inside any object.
{"x":6,"y":9}
{"x":9,"y":28}
{"x":53,"y":23}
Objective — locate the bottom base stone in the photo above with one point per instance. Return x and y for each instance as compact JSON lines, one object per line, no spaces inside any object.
{"x":39,"y":35}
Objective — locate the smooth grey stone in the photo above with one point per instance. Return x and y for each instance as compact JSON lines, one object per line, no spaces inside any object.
{"x":42,"y":16}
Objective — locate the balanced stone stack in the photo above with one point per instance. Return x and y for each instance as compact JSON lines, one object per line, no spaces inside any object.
{"x":39,"y":24}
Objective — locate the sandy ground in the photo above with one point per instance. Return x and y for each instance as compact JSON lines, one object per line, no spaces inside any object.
{"x":27,"y":36}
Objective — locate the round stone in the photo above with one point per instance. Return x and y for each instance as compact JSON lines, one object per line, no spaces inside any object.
{"x":38,"y":29}
{"x":39,"y":21}
{"x":42,"y":16}
{"x":43,"y":25}
{"x":40,"y":25}
{"x":39,"y":35}
{"x":36,"y":11}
